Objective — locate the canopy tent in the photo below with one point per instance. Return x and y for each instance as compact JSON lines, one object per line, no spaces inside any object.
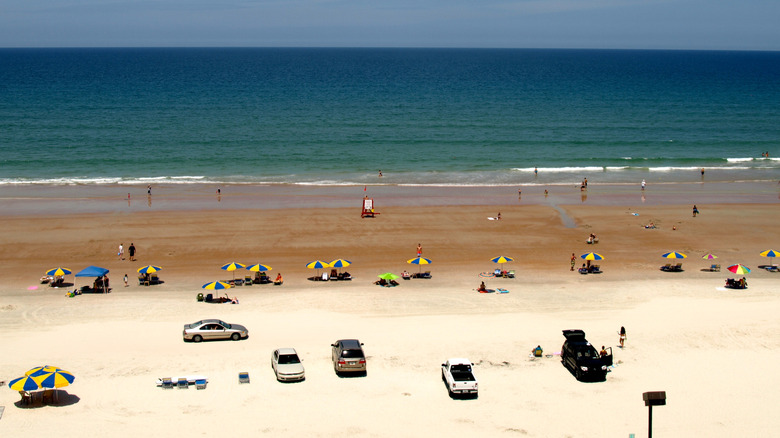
{"x":92,"y":271}
{"x":95,"y":271}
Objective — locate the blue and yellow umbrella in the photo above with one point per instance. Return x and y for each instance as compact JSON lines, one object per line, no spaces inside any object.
{"x":214,"y":285}
{"x":58,"y":272}
{"x":25,"y":383}
{"x":592,"y":256}
{"x":340,"y":263}
{"x":674,"y":255}
{"x":317,"y":264}
{"x":259,"y":268}
{"x":502,"y":259}
{"x":771,"y":254}
{"x":53,"y":378}
{"x":149,"y":269}
{"x":232,"y":266}
{"x":419,"y":261}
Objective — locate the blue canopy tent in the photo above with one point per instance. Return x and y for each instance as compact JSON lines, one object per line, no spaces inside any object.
{"x":95,"y":271}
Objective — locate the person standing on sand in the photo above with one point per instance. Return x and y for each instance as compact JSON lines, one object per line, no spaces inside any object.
{"x":695,"y":210}
{"x":644,"y":184}
{"x":622,"y":336}
{"x":131,"y":251}
{"x":125,"y":280}
{"x":419,"y":250}
{"x":573,"y":261}
{"x":121,"y":252}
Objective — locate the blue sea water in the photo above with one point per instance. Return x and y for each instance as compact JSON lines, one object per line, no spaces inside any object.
{"x":421,"y":116}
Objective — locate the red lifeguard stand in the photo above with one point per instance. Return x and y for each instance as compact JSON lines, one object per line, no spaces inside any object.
{"x":368,"y":208}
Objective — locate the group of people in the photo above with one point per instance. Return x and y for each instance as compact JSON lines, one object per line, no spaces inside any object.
{"x":592,"y":239}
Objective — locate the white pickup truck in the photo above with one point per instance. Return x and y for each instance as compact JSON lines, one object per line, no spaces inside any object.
{"x":458,"y":377}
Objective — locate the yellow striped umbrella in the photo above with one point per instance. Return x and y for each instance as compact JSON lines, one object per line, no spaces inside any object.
{"x":216,"y":285}
{"x":56,"y":272}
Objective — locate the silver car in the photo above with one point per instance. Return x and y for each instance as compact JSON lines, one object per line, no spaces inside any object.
{"x":287,"y":365}
{"x":348,"y":356}
{"x":210,"y":329}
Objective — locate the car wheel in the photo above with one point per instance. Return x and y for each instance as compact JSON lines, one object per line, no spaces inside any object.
{"x":235,"y":336}
{"x":197,"y":338}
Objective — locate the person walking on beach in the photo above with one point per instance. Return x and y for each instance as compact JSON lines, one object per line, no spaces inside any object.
{"x":125,"y":280}
{"x":131,"y":251}
{"x":622,"y":336}
{"x":644,"y":184}
{"x":121,"y":252}
{"x":573,"y":261}
{"x":419,"y":250}
{"x":695,"y":210}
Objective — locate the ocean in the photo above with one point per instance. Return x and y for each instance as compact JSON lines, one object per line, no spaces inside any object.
{"x":449,"y":117}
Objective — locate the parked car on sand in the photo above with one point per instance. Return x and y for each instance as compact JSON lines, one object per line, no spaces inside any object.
{"x":457,"y":375}
{"x":287,"y":365}
{"x":210,"y":329}
{"x":348,"y":356}
{"x":582,"y":359}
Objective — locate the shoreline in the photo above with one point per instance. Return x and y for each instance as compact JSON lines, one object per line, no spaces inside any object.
{"x":22,"y":200}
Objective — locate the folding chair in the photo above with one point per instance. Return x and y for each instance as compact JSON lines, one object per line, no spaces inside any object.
{"x":243,"y":377}
{"x":182,"y":383}
{"x":167,"y":383}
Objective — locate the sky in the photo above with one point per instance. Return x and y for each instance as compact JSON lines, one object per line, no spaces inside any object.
{"x":599,"y":24}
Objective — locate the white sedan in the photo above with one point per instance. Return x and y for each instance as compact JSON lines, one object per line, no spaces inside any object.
{"x":287,"y":365}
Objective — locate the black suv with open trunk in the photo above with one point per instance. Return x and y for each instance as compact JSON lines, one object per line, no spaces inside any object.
{"x":582,"y":359}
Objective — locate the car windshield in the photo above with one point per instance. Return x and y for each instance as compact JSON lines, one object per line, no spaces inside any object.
{"x":288,"y":359}
{"x":352,"y":353}
{"x":460,"y":369}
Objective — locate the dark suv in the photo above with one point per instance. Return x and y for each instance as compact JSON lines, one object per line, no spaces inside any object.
{"x":582,"y":359}
{"x":348,"y":357}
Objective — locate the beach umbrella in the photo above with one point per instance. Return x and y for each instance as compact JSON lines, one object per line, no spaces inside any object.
{"x":317,"y":264}
{"x":259,"y":268}
{"x":47,"y":368}
{"x":24,"y":383}
{"x":55,"y":378}
{"x":674,"y":255}
{"x":771,"y":254}
{"x":388,"y":276}
{"x":739,"y":269}
{"x":149,"y":269}
{"x":58,"y":272}
{"x":709,"y":256}
{"x":93,"y":271}
{"x":502,"y":259}
{"x":592,"y":256}
{"x":419,"y":261}
{"x":340,"y":263}
{"x":216,"y":285}
{"x":232,"y":266}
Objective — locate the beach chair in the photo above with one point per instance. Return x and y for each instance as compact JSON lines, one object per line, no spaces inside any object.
{"x":510,"y":274}
{"x":248,"y":280}
{"x":140,"y":280}
{"x":243,"y":377}
{"x":324,"y":276}
{"x":182,"y":383}
{"x":666,"y":267}
{"x":200,"y":297}
{"x":715,"y":268}
{"x":238,"y":282}
{"x":677,"y":267}
{"x":334,"y":275}
{"x":167,"y":383}
{"x":200,"y":384}
{"x":155,"y":279}
{"x":595,"y":269}
{"x":426,"y":274}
